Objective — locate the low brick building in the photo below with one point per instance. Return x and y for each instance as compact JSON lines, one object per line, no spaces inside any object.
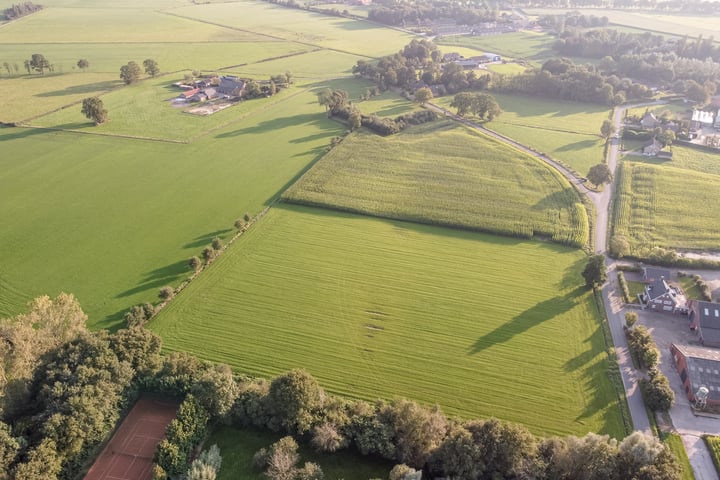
{"x":698,"y":366}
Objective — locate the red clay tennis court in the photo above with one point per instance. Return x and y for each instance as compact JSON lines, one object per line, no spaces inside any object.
{"x":130,"y":452}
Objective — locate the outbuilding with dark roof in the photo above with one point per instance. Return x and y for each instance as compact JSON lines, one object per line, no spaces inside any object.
{"x":698,"y":366}
{"x":705,"y":318}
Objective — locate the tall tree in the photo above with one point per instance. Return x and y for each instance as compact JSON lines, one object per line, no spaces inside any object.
{"x":130,"y":73}
{"x":423,"y":95}
{"x":607,"y":129}
{"x":151,"y":67}
{"x":595,"y":272}
{"x":93,"y":109}
{"x":600,"y":174}
{"x":296,"y":398}
{"x":39,"y":63}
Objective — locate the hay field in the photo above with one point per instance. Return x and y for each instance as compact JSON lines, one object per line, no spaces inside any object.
{"x":481,"y":325}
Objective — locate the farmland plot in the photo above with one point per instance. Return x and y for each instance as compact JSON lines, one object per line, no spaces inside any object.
{"x":482,"y":325}
{"x":442,"y":173}
{"x":667,"y":207}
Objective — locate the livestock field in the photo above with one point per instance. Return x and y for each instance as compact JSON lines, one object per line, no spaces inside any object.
{"x":376,"y":308}
{"x":666,"y":206}
{"x":566,"y":131}
{"x":445,"y":174}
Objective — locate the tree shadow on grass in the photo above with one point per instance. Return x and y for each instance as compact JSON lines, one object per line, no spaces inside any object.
{"x":314,"y":119}
{"x":15,"y":133}
{"x":581,"y":145}
{"x":206,"y":238}
{"x":114,"y":321}
{"x":96,"y":88}
{"x":572,"y":278}
{"x":528,"y":319}
{"x":556,"y":200}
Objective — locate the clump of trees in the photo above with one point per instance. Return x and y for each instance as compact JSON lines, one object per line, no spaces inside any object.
{"x":38,"y":63}
{"x":83,"y":64}
{"x":94,"y":109}
{"x":482,"y":105}
{"x":130,"y":73}
{"x":21,"y":9}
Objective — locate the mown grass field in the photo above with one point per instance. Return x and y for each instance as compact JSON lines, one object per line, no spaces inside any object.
{"x":675,"y":24}
{"x":445,"y":174}
{"x":352,"y":36}
{"x":531,"y":46}
{"x":112,"y":220}
{"x":376,"y":308}
{"x":674,"y":443}
{"x":666,"y":206}
{"x":566,"y":131}
{"x":237,"y":447}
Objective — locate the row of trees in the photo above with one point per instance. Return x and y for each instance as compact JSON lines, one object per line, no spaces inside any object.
{"x":417,"y":13}
{"x":130,"y":73}
{"x":20,"y":10}
{"x":482,"y":105}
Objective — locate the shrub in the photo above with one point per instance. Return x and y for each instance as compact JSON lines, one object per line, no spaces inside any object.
{"x":239,"y":224}
{"x":325,"y":438}
{"x":247,"y":217}
{"x":282,"y":459}
{"x":139,"y":315}
{"x":624,"y":287}
{"x":209,"y":254}
{"x":217,"y":244}
{"x":296,"y":399}
{"x":630,"y":319}
{"x":194,"y":263}
{"x":657,"y":392}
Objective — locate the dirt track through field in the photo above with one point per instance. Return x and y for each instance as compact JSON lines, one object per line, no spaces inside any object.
{"x":129,"y":454}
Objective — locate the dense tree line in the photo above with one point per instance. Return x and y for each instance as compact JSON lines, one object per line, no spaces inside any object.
{"x":405,"y":14}
{"x":654,"y":6}
{"x":21,"y":9}
{"x":571,"y":19}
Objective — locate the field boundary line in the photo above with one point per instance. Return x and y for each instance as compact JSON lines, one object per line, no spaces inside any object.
{"x":538,"y":127}
{"x":308,"y":44}
{"x":102,"y":134}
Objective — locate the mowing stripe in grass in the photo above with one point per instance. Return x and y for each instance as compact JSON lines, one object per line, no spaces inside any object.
{"x":482,"y":325}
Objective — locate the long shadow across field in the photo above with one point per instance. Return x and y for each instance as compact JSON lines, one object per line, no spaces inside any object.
{"x":86,"y":88}
{"x":278,"y":123}
{"x":528,"y":319}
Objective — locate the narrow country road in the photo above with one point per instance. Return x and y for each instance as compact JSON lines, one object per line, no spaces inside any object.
{"x":690,"y":428}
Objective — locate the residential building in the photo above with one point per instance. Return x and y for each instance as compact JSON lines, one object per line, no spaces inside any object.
{"x":659,"y":295}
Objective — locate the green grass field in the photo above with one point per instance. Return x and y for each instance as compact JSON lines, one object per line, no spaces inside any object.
{"x":666,"y":206}
{"x":531,"y":46}
{"x":377,"y":308}
{"x":687,"y":158}
{"x":674,"y":443}
{"x":112,"y":220}
{"x":237,"y":447}
{"x":673,"y":24}
{"x":445,"y":174}
{"x":351,"y":36}
{"x":566,"y":131}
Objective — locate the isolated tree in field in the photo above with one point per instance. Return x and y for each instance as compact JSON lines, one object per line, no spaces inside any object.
{"x":130,"y":73}
{"x":39,"y":63}
{"x":423,"y":95}
{"x":151,"y":67}
{"x":607,"y":129}
{"x":595,"y":272}
{"x":600,"y":174}
{"x":93,"y":109}
{"x":83,"y":64}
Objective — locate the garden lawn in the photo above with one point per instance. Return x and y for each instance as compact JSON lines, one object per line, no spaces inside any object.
{"x":667,"y":207}
{"x":446,"y":174}
{"x":352,"y":36}
{"x":566,"y":131}
{"x":112,"y":220}
{"x":237,"y":447}
{"x":481,"y":325}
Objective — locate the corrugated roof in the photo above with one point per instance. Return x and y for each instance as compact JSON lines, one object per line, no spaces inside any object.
{"x":703,"y":368}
